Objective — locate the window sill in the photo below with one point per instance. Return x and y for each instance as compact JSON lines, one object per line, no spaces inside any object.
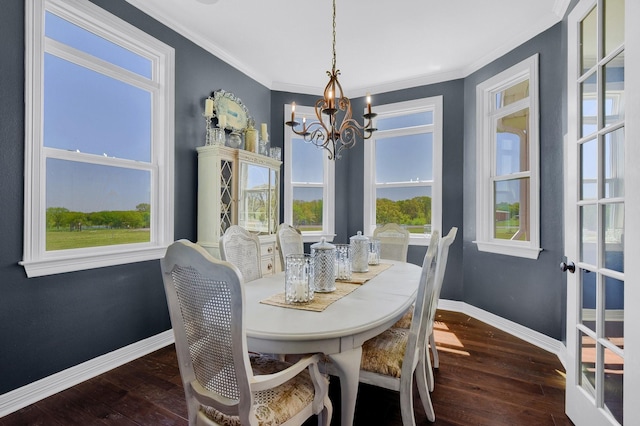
{"x":508,"y":249}
{"x":59,"y":265}
{"x":314,"y":238}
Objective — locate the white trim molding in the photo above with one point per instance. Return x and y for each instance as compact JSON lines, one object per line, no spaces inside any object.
{"x":33,"y":392}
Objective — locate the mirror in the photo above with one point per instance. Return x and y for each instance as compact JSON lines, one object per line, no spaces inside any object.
{"x":257,"y":198}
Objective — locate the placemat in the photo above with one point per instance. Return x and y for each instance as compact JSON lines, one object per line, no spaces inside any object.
{"x":363,"y":277}
{"x":322,"y":300}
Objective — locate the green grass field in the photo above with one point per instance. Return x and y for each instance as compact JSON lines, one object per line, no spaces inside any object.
{"x":63,"y":240}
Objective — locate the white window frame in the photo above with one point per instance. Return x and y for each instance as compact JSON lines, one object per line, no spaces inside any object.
{"x":36,"y":260}
{"x":485,"y":156}
{"x":434,"y":105}
{"x":328,"y":185}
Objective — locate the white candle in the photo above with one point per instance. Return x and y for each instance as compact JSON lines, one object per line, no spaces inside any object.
{"x":222,"y":121}
{"x":263,"y":131}
{"x":208,"y":107}
{"x":372,"y":258}
{"x":299,"y":290}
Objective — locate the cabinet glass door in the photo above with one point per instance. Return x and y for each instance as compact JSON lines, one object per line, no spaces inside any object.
{"x":255,"y":198}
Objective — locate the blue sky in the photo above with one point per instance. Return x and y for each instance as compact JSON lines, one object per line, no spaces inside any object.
{"x":88,"y":112}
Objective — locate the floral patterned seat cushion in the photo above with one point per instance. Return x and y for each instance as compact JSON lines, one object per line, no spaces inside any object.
{"x":384,"y":353}
{"x":405,"y":321}
{"x":274,"y":406}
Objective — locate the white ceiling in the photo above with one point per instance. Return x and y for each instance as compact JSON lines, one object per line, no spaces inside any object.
{"x":381,"y":46}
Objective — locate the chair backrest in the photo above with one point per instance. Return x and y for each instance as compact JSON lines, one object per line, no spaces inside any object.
{"x":394,"y":241}
{"x":240,"y":247}
{"x":417,"y":331}
{"x":289,"y":240}
{"x":205,"y":300}
{"x":441,"y":266}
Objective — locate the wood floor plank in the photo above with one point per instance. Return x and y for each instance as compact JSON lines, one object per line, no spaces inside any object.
{"x":486,"y":377}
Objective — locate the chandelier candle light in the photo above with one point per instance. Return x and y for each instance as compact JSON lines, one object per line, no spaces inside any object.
{"x":341,"y":129}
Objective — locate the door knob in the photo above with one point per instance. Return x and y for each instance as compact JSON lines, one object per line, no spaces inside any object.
{"x":567,"y":266}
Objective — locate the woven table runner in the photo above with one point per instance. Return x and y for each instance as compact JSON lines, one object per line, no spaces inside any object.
{"x":322,"y":300}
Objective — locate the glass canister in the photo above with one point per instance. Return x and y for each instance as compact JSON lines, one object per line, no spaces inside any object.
{"x":374,"y":251}
{"x":343,"y":262}
{"x":298,"y":281}
{"x":324,"y":254}
{"x":359,"y":253}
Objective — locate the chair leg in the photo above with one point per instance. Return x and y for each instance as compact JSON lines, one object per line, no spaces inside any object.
{"x":406,"y":402}
{"x":423,"y":389}
{"x":430,"y":380}
{"x":324,"y":418}
{"x":434,"y":351}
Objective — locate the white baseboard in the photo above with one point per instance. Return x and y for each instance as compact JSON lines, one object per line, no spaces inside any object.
{"x":33,"y":392}
{"x":36,"y":391}
{"x":540,"y":340}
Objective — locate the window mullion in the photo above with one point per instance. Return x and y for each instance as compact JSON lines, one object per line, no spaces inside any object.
{"x":85,"y":60}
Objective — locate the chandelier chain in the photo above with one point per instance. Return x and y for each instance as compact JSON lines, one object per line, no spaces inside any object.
{"x":334,"y":36}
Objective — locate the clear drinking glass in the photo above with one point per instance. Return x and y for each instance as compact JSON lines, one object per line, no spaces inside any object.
{"x":343,"y":262}
{"x":374,"y":251}
{"x":298,"y":287}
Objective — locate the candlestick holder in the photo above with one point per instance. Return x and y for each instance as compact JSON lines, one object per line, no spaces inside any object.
{"x":208,"y":138}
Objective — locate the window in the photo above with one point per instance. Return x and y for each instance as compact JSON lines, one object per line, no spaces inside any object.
{"x":403,"y":168}
{"x":309,"y":183}
{"x":507,"y":194}
{"x":99,"y":140}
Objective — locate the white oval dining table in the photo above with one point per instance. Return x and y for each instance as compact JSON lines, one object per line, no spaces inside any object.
{"x":339,"y":331}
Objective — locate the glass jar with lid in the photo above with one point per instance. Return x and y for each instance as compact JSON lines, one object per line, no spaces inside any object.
{"x":324,"y":259}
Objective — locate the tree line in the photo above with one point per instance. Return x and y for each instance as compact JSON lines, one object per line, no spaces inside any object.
{"x":62,"y":218}
{"x":415,"y":211}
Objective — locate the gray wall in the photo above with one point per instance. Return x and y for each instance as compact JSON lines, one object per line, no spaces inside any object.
{"x":51,"y":323}
{"x":528,"y":292}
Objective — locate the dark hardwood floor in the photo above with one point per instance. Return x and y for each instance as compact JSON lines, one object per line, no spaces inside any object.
{"x":486,"y":377}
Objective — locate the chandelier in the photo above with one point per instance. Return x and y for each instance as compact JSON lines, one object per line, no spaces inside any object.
{"x":337,"y":130}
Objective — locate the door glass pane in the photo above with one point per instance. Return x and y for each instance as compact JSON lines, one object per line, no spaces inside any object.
{"x":512,"y":143}
{"x":588,"y":40}
{"x":512,"y":94}
{"x":589,"y":117}
{"x":614,"y":164}
{"x":307,"y":208}
{"x":409,"y":206}
{"x":587,"y":353}
{"x":614,"y":311}
{"x":589,"y":234}
{"x":613,"y":74}
{"x":88,"y":112}
{"x":588,"y":311}
{"x":589,"y":170}
{"x":613,"y":234}
{"x":90,"y":205}
{"x":613,"y":381}
{"x":70,"y":34}
{"x":613,"y":25}
{"x":511,"y":210}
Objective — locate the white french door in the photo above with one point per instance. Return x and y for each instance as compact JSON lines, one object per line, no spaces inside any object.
{"x":602,"y":219}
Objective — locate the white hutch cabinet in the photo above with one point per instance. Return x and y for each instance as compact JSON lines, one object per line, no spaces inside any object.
{"x":238,"y":187}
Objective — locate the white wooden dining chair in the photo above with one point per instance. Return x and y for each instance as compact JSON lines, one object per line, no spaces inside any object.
{"x":395,"y":357}
{"x":405,"y":321}
{"x":223,"y":383}
{"x":289,"y":241}
{"x":242,"y":248}
{"x":394,"y":241}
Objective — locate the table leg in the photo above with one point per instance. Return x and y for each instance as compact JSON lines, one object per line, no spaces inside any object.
{"x":347,"y":365}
